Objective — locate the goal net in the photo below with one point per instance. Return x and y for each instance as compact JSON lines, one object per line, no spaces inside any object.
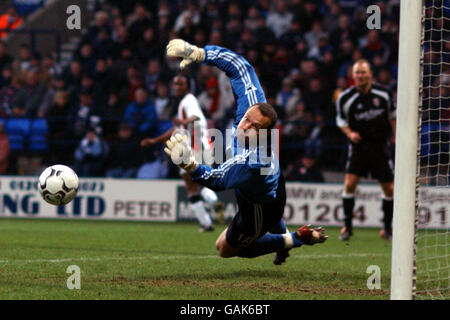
{"x":431,"y":274}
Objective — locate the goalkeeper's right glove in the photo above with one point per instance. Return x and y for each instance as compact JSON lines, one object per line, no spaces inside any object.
{"x":180,"y":152}
{"x":183,"y":49}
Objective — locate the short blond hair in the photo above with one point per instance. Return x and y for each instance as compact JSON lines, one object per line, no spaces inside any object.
{"x":363,"y":61}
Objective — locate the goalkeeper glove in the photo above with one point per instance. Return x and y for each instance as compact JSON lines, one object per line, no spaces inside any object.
{"x":180,"y":152}
{"x":183,"y":49}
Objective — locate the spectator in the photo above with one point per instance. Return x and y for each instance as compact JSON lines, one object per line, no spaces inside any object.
{"x":287,"y":97}
{"x":305,"y":170}
{"x":251,"y":22}
{"x":50,"y":66}
{"x":262,"y":33}
{"x":307,"y":13}
{"x":5,"y":76}
{"x":315,"y":97}
{"x":148,"y":47}
{"x":344,"y":31}
{"x":113,"y":114}
{"x":5,"y":59}
{"x":141,"y":114}
{"x":191,"y":14}
{"x":299,"y":123}
{"x":90,"y":155}
{"x":83,"y":116}
{"x":125,"y":156}
{"x":9,"y":21}
{"x":22,"y":63}
{"x":292,"y":36}
{"x":73,"y":74}
{"x":154,"y":75}
{"x":8,"y":94}
{"x":214,"y":103}
{"x":58,"y":84}
{"x":330,"y":21}
{"x":373,"y":46}
{"x":280,"y":19}
{"x":103,"y":79}
{"x":138,"y":22}
{"x":101,"y":24}
{"x":86,"y":56}
{"x":162,"y":102}
{"x":122,"y":41}
{"x":312,"y":37}
{"x":317,"y":52}
{"x":4,"y":150}
{"x":58,"y":135}
{"x":29,"y":97}
{"x":156,"y":167}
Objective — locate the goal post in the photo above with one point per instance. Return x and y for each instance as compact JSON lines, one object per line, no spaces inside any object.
{"x":406,"y":148}
{"x":420,"y":248}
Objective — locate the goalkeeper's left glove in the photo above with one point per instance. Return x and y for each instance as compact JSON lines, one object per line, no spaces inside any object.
{"x":180,"y":152}
{"x":183,"y":49}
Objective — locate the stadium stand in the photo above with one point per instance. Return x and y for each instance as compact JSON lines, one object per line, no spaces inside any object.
{"x":301,"y":50}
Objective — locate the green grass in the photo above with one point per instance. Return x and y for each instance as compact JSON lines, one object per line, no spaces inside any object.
{"x":130,"y":260}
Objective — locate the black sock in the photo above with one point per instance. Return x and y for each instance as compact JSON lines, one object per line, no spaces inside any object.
{"x":388,"y":211}
{"x":349,"y":204}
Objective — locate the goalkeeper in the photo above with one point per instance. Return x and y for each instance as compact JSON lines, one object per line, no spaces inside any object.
{"x":257,"y":228}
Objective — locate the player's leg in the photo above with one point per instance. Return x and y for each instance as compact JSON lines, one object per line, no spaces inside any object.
{"x":197,"y":203}
{"x":388,"y":209}
{"x":211,"y":197}
{"x":356,"y":167}
{"x":383,"y":170}
{"x":280,"y":256}
{"x":225,"y":249}
{"x":241,"y":237}
{"x":348,"y":201}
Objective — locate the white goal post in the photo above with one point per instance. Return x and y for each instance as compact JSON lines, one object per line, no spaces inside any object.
{"x":408,"y":99}
{"x":420,"y":260}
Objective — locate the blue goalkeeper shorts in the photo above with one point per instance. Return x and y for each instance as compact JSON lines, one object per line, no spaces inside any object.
{"x":255,"y":219}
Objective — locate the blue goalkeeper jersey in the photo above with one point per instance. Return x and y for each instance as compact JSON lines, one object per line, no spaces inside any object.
{"x":253,"y":173}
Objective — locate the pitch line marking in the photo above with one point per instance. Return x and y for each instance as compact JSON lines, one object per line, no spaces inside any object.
{"x":310,"y":256}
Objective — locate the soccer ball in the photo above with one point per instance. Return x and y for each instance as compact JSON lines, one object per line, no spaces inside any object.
{"x":58,"y":184}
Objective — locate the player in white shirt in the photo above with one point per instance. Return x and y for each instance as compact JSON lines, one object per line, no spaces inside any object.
{"x":190,"y":117}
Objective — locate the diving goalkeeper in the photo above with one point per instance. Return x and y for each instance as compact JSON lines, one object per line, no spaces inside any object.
{"x":257,"y":228}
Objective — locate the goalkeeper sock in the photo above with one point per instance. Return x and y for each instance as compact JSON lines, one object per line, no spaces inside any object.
{"x":388,"y":210}
{"x":348,"y":201}
{"x":209,"y":196}
{"x":269,"y":243}
{"x":200,"y":212}
{"x":279,"y":228}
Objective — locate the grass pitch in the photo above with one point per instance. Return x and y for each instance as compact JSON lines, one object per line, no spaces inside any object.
{"x":131,"y":260}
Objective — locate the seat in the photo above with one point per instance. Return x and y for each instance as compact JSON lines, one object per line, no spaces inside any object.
{"x":18,"y":130}
{"x":38,"y":135}
{"x":39,"y":127}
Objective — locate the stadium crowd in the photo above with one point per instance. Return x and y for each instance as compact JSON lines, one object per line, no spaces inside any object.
{"x":117,"y":89}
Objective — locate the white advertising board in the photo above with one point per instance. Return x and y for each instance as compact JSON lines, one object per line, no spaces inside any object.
{"x":321,"y":204}
{"x":114,"y":199}
{"x":166,"y":200}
